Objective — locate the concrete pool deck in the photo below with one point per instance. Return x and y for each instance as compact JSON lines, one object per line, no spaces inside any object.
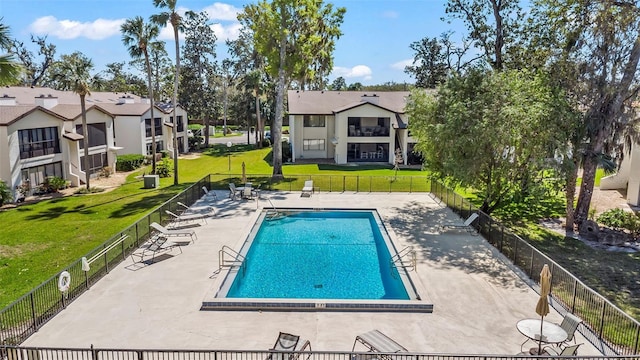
{"x":478,"y":297}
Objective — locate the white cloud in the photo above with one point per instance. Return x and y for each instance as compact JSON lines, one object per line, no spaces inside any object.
{"x":400,"y":65}
{"x":227,"y":32}
{"x":220,"y":11}
{"x":69,"y":29}
{"x":358,"y":71}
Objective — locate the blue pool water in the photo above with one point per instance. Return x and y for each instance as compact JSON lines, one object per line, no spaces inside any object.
{"x":319,"y":255}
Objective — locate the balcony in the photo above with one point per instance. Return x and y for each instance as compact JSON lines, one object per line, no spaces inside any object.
{"x":360,"y":131}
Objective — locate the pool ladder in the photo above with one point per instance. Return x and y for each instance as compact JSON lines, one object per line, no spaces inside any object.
{"x":228,"y":259}
{"x":405,"y":259}
{"x":273,"y":213}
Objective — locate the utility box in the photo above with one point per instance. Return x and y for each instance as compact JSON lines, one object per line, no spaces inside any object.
{"x":151,"y":181}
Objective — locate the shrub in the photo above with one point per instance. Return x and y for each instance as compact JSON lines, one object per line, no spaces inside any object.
{"x":54,"y":183}
{"x":619,"y":219}
{"x":91,"y":190}
{"x":195,"y":141}
{"x":129,"y":162}
{"x":163,"y":168}
{"x":5,"y":193}
{"x":106,"y":172}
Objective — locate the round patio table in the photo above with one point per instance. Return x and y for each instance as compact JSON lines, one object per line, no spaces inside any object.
{"x":551,"y":333}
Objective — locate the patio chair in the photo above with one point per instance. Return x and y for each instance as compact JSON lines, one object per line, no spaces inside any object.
{"x":210,"y":193}
{"x":307,"y":189}
{"x":558,"y":351}
{"x":174,"y":232}
{"x":570,"y":324}
{"x":376,"y":341}
{"x":286,"y":344}
{"x":178,"y":219}
{"x":247,"y":192}
{"x":467,"y":225}
{"x":233,"y":191}
{"x":156,"y":245}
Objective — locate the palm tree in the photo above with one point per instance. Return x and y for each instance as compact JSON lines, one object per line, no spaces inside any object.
{"x":176,"y":21}
{"x":137,"y":37}
{"x":9,"y":69}
{"x":73,"y":74}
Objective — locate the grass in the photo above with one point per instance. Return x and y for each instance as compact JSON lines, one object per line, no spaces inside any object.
{"x":38,"y":240}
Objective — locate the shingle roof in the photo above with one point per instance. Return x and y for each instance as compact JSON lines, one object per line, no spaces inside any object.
{"x":26,"y":95}
{"x":329,"y":102}
{"x":11,"y":114}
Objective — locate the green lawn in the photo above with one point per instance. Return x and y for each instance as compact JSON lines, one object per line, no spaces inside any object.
{"x":38,"y":240}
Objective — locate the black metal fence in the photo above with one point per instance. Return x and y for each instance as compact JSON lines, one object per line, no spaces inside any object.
{"x":328,"y":183}
{"x":26,"y":315}
{"x":30,"y":353}
{"x":604,"y":323}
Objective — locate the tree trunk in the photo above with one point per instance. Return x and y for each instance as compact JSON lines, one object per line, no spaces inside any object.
{"x":153,"y":122}
{"x":175,"y":105}
{"x":570,"y":196}
{"x":258,"y":127}
{"x":276,"y":130}
{"x":85,"y":133}
{"x":589,"y":167}
{"x":206,"y":130}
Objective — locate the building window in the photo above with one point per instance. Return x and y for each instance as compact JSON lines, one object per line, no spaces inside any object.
{"x":147,"y":126}
{"x":97,"y":134}
{"x":180,"y":123}
{"x":34,"y":176}
{"x":159,"y":147}
{"x":313,"y":144}
{"x":97,"y":162}
{"x":38,"y":142}
{"x":314,"y":121}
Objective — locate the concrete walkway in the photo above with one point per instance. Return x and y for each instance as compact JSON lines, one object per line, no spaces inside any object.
{"x":477,"y":296}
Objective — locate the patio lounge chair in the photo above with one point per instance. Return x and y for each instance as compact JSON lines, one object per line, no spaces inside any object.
{"x":156,"y":245}
{"x":307,"y":189}
{"x":209,"y":210}
{"x":467,"y":225}
{"x":187,"y":217}
{"x":286,"y":344}
{"x":376,"y":341}
{"x":174,"y":232}
{"x":210,"y":193}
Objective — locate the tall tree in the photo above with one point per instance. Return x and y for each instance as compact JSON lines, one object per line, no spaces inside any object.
{"x":10,"y":70}
{"x":138,"y":36}
{"x":35,"y":71}
{"x":494,"y":26}
{"x":296,"y":38}
{"x":197,"y":88}
{"x":429,"y":63}
{"x":72,"y":72}
{"x":175,"y":19}
{"x":493,"y":131}
{"x":599,"y":41}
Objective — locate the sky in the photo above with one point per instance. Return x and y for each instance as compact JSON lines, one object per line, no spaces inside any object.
{"x":374,"y":47}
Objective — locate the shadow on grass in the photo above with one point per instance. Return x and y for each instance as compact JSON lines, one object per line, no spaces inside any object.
{"x":57,"y":211}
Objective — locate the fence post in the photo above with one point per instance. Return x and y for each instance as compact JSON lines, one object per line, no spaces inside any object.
{"x":410,"y":184}
{"x":531,"y":265}
{"x":357,"y":183}
{"x":635,"y":351}
{"x":330,"y":184}
{"x":604,"y":308}
{"x":94,"y":353}
{"x":575,"y":294}
{"x":33,"y":312}
{"x":515,"y":253}
{"x":344,"y":181}
{"x":370,"y":181}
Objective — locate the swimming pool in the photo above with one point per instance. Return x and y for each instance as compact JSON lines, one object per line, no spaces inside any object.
{"x":318,"y":259}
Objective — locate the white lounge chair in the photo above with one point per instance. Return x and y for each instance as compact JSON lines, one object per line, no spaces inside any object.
{"x":467,"y":225}
{"x":376,"y":341}
{"x":307,"y":189}
{"x":210,"y":193}
{"x":174,"y":232}
{"x":156,"y":245}
{"x":178,"y":219}
{"x":209,"y":210}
